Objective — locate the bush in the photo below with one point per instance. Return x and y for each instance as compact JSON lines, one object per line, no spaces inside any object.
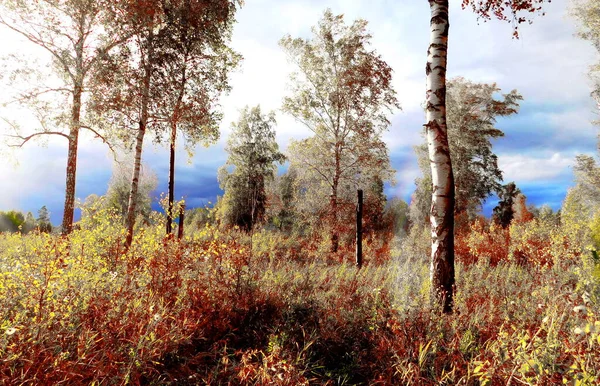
{"x":217,"y":309}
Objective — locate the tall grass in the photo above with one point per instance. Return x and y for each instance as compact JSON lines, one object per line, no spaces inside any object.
{"x":212,"y":310}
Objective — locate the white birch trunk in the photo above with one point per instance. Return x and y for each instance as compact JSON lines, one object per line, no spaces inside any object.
{"x":75,"y":125}
{"x":442,"y":201}
{"x":139,"y":144}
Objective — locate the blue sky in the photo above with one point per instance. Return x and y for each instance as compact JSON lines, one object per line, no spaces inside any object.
{"x":548,"y":65}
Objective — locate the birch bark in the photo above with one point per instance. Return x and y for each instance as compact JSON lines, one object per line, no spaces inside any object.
{"x":139,"y":141}
{"x":75,"y":125}
{"x":442,"y":203}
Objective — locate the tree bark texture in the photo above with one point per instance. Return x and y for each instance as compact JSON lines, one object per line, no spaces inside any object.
{"x":139,"y":143}
{"x":442,"y":203}
{"x":67,"y":224}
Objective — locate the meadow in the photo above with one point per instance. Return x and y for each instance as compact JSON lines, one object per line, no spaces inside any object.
{"x":228,"y":307}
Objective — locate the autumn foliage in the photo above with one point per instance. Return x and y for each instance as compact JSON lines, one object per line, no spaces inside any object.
{"x":218,"y":309}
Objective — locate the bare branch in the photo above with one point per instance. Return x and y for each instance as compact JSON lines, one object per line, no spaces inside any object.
{"x":98,"y":135}
{"x":34,"y":94}
{"x":25,"y":139}
{"x":38,"y":41}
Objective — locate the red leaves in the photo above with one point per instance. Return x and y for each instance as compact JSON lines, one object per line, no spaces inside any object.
{"x":506,"y":10}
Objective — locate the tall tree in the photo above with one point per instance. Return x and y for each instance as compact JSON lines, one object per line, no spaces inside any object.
{"x":138,"y":81}
{"x":443,"y":199}
{"x":253,"y":154}
{"x":472,"y":110}
{"x":76,"y":33}
{"x":43,"y":220}
{"x":342,"y":92}
{"x":126,"y":96}
{"x":588,"y":13}
{"x":504,"y":212}
{"x":196,"y":61}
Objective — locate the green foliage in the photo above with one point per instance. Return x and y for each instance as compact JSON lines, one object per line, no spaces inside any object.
{"x":472,"y":112}
{"x":198,"y":218}
{"x":283,"y":195}
{"x":119,"y":188}
{"x":504,"y":211}
{"x":15,"y":221}
{"x":43,"y":220}
{"x":253,"y":154}
{"x":11,"y":221}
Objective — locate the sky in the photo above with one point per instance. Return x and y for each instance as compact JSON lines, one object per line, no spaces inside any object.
{"x":548,"y":65}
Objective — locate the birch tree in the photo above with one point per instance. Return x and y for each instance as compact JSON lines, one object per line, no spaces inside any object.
{"x":136,"y":81}
{"x":442,"y":200}
{"x":472,"y":111}
{"x":76,"y":34}
{"x":342,"y":92}
{"x":196,"y":62}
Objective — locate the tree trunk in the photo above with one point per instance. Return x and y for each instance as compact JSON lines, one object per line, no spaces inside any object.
{"x":139,"y":143}
{"x":333,"y":218}
{"x":135,"y":179}
{"x":171,"y":179}
{"x":67,"y":224}
{"x":174,"y":120}
{"x":442,"y":202}
{"x":181,"y":222}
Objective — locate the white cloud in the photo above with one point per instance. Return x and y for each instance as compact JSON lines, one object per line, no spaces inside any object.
{"x":547,"y":65}
{"x":523,"y":168}
{"x":578,"y":118}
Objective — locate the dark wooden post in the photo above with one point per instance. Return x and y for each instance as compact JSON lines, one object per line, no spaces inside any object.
{"x":359,"y":213}
{"x":181,"y":218}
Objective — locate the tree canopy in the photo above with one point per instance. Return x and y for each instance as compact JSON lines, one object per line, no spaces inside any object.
{"x":341,"y":91}
{"x":472,"y":113}
{"x":253,"y":155}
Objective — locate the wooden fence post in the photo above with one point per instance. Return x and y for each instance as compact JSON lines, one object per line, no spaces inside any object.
{"x":359,"y":214}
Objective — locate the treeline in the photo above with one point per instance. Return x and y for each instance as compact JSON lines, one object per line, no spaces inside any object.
{"x":15,"y":221}
{"x":127,"y":69}
{"x":336,"y":70}
{"x":122,"y":70}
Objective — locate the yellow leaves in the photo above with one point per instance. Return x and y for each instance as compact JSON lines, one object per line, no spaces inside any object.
{"x":480,"y":371}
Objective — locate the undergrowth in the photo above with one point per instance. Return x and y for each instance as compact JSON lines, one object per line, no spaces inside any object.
{"x":217,"y":309}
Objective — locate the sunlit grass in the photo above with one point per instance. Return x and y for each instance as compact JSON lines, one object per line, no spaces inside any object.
{"x":213,"y":310}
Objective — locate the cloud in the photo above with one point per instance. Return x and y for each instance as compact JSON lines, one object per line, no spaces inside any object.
{"x":548,"y":65}
{"x":549,"y":127}
{"x":542,"y":168}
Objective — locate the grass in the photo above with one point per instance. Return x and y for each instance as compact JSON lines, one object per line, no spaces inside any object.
{"x":207,"y":311}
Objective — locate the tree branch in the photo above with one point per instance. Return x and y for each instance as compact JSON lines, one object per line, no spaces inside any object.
{"x":39,"y":42}
{"x":98,"y":135}
{"x":27,"y":138}
{"x":34,"y":94}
